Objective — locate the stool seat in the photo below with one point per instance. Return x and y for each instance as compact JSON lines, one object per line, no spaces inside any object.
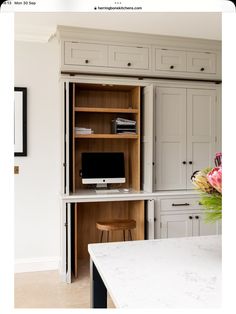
{"x":116,"y":224}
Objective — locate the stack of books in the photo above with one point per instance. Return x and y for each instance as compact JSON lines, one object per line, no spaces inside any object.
{"x":83,"y":130}
{"x":120,"y":125}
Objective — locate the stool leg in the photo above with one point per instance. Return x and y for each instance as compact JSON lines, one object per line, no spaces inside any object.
{"x":107,"y":236}
{"x":130,"y":235}
{"x":101,"y":236}
{"x":124,"y":234}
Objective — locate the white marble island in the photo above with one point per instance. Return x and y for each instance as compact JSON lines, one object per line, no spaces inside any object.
{"x":163,"y":273}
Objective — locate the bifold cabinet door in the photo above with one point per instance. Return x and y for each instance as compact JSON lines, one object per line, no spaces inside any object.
{"x":147,"y":138}
{"x":150,"y":216}
{"x":174,"y":226}
{"x":66,"y":243}
{"x":66,"y":139}
{"x":200,"y":130}
{"x":170,"y":138}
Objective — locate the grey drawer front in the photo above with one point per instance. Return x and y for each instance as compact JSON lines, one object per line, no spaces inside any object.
{"x":85,"y":54}
{"x":129,"y":57}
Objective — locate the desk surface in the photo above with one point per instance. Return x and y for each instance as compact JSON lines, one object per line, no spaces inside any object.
{"x":91,"y":195}
{"x":163,"y":273}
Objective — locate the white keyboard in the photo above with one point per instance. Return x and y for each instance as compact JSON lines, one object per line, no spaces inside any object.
{"x":110,"y":191}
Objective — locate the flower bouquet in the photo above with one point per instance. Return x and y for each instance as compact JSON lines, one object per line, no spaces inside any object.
{"x":209,"y":182}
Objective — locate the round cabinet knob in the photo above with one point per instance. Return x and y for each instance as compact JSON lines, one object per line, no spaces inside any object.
{"x":86,"y":61}
{"x":197,"y":217}
{"x":202,"y":69}
{"x":184,"y":162}
{"x":190,"y":217}
{"x":128,"y":64}
{"x":171,"y":67}
{"x":190,"y":162}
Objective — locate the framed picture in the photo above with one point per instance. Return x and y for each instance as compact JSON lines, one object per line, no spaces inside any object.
{"x":20,"y":121}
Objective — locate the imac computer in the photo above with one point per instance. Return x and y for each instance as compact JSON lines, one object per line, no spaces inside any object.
{"x":102,"y":168}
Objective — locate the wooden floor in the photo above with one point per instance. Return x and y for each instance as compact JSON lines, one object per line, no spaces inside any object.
{"x":45,"y":290}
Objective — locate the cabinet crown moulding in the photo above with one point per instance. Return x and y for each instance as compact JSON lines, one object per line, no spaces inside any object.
{"x":113,"y":36}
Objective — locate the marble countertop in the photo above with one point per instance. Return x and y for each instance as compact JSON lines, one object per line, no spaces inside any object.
{"x":163,"y":273}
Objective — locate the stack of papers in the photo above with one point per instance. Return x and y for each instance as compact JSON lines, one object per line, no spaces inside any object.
{"x":121,"y":125}
{"x":83,"y":130}
{"x":122,"y":121}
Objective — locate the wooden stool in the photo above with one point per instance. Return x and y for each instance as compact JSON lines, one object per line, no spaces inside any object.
{"x":116,"y":224}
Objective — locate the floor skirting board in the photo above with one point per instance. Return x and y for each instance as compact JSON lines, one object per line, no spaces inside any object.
{"x":23,"y":265}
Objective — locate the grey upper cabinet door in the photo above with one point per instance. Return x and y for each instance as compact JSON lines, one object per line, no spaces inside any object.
{"x":129,"y":57}
{"x":170,"y":60}
{"x":201,"y":62}
{"x":201,"y":132}
{"x":170,"y":138}
{"x":85,"y":54}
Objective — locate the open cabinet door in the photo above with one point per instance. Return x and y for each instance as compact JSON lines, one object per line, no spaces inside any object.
{"x":150,"y":219}
{"x":68,"y":243}
{"x":66,"y":150}
{"x":147,"y":138}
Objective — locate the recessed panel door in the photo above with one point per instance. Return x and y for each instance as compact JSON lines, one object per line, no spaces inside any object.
{"x":200,"y":130}
{"x":170,"y":138}
{"x":175,"y":226}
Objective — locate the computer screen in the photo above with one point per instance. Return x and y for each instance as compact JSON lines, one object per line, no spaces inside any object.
{"x":103,"y":167}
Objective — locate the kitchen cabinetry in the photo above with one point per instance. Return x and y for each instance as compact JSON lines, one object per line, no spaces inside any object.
{"x":186,"y":225}
{"x":182,"y":217}
{"x":123,"y":53}
{"x":185,"y":61}
{"x":185,"y":134}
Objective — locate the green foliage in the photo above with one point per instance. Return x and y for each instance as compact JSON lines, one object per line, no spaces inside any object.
{"x":213,"y":206}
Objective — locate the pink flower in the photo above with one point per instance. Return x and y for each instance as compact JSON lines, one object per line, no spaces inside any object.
{"x":214,"y":177}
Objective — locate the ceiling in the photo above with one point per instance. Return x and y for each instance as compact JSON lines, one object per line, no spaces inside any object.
{"x":42,"y":26}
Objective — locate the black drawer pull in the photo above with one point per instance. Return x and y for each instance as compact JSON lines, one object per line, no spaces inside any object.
{"x":129,"y":64}
{"x":199,"y":203}
{"x":184,"y":204}
{"x":190,"y":217}
{"x":86,"y":61}
{"x":197,"y":217}
{"x":202,"y":69}
{"x":171,"y":67}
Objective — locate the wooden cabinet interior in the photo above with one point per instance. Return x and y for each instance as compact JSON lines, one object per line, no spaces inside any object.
{"x":85,"y":216}
{"x":95,"y":106}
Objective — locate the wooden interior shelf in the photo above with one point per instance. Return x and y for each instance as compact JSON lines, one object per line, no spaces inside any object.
{"x":104,"y":110}
{"x":108,"y":136}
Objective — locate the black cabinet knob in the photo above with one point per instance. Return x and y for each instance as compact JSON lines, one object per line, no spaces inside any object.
{"x":197,"y":217}
{"x":86,"y":61}
{"x":171,"y":67}
{"x":202,"y":69}
{"x":184,"y":162}
{"x":190,"y":217}
{"x":128,"y":64}
{"x":190,"y":162}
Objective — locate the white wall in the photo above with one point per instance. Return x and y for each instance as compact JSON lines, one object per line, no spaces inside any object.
{"x":37,"y":187}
